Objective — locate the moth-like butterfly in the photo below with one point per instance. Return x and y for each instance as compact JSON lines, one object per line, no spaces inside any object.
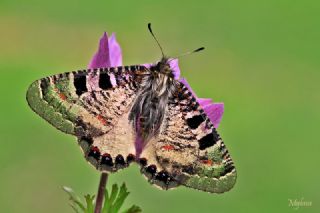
{"x":137,"y":114}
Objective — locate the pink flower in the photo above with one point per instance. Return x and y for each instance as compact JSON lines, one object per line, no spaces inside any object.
{"x":109,"y":55}
{"x":213,"y":110}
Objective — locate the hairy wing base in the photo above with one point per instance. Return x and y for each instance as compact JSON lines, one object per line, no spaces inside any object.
{"x":188,"y":151}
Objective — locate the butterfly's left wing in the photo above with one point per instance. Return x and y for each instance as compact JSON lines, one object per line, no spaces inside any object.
{"x":93,"y":105}
{"x":188,"y":150}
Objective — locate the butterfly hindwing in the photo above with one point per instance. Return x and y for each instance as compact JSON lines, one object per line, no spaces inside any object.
{"x":92,"y":105}
{"x":188,"y":151}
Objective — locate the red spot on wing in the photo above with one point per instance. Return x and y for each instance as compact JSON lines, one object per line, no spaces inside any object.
{"x":102,"y":120}
{"x":207,"y":162}
{"x":95,"y":148}
{"x":167,"y":147}
{"x":62,"y":96}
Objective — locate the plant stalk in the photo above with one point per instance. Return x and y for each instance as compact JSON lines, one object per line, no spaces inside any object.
{"x":101,"y":191}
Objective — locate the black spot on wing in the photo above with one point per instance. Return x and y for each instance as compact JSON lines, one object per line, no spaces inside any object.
{"x":152,"y":169}
{"x":227,"y":169}
{"x":104,"y":81}
{"x":87,"y":139}
{"x":120,"y":160}
{"x":94,"y":152}
{"x":163,"y":176}
{"x":189,"y":169}
{"x":133,"y":68}
{"x":195,"y":121}
{"x":143,"y":161}
{"x":44,"y":84}
{"x":208,"y":140}
{"x":80,"y":83}
{"x":106,"y":159}
{"x":130,"y":158}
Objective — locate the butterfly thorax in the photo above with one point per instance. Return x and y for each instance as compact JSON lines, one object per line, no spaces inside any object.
{"x":149,"y":107}
{"x":162,"y":67}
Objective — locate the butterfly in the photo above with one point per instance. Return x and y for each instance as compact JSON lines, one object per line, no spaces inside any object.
{"x":137,"y":114}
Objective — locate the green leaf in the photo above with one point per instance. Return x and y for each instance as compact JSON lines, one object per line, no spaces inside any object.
{"x":74,"y":208}
{"x":106,"y":204}
{"x":74,"y":199}
{"x":133,"y":209}
{"x":114,"y":192}
{"x":90,"y":203}
{"x":123,"y":194}
{"x":112,"y":203}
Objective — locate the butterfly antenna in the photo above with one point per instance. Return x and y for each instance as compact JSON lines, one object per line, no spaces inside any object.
{"x":150,"y":30}
{"x":188,"y":53}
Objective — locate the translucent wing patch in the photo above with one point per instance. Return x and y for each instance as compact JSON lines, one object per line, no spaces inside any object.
{"x":92,"y":105}
{"x":188,"y":151}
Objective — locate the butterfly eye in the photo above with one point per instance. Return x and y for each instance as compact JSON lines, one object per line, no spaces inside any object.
{"x":158,"y":67}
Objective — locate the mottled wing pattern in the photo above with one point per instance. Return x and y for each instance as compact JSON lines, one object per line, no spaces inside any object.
{"x":92,"y":105}
{"x":188,"y":151}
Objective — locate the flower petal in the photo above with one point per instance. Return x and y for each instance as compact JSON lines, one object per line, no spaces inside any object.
{"x":147,"y":65}
{"x":102,"y":57}
{"x":115,"y":52}
{"x":204,"y":101}
{"x":214,"y":112}
{"x":175,"y":68}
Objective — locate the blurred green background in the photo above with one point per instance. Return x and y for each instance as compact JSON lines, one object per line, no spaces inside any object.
{"x":261,"y":60}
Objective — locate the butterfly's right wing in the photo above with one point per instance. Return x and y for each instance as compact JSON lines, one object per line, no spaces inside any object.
{"x":92,"y":105}
{"x":188,"y":150}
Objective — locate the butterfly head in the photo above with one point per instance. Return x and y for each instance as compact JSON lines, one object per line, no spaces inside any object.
{"x":163,"y":67}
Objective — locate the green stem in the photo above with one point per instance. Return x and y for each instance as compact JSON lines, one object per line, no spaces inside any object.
{"x":101,"y":190}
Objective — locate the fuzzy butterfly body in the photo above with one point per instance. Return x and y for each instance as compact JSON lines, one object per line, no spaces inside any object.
{"x":137,"y":114}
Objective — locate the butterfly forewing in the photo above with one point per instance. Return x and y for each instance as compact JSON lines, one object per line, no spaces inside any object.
{"x":92,"y":105}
